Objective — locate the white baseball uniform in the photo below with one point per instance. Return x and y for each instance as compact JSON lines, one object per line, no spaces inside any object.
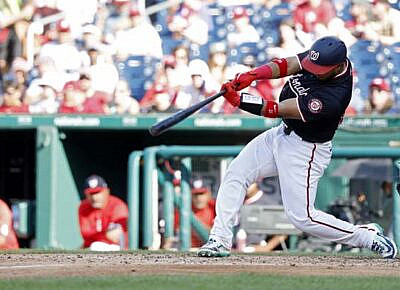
{"x":299,"y":165}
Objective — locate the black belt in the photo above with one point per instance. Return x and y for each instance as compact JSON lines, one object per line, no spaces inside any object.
{"x":287,"y":130}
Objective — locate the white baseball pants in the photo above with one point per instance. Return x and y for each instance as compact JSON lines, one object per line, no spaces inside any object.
{"x":299,"y":165}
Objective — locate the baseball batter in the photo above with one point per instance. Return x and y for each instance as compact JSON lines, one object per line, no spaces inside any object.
{"x":311,"y":104}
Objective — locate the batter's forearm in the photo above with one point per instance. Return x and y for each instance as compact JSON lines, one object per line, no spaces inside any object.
{"x":277,"y":68}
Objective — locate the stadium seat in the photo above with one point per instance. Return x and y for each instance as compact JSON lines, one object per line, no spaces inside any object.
{"x":235,"y":55}
{"x":161,"y":24}
{"x":139,"y":71}
{"x":168,"y":44}
{"x":345,"y":12}
{"x":199,"y":51}
{"x":394,"y":52}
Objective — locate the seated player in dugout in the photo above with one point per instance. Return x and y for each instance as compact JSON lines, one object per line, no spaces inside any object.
{"x":203,"y":208}
{"x":8,"y":238}
{"x":311,"y":104}
{"x":103,"y":218}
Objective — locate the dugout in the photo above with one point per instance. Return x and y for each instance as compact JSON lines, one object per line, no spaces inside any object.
{"x":56,"y":154}
{"x":17,"y":179}
{"x":45,"y":160}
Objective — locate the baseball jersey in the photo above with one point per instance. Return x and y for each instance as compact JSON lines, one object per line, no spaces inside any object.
{"x":321,"y":103}
{"x":205,"y":215}
{"x":95,"y":222}
{"x":10,"y":241}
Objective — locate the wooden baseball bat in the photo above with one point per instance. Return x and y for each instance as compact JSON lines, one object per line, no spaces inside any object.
{"x":172,"y":120}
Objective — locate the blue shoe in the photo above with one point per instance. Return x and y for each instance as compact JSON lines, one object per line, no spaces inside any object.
{"x":384,"y":246}
{"x":213,"y":248}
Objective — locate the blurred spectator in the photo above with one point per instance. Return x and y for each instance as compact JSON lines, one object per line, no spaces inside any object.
{"x":385,"y":24}
{"x":13,"y":26}
{"x":337,"y":27}
{"x":244,"y":31}
{"x":188,"y":24}
{"x":217,"y":62}
{"x":91,"y":39}
{"x":178,"y":73}
{"x":80,"y":97}
{"x":202,"y":86}
{"x":78,"y":13}
{"x":95,"y":102}
{"x":309,"y":14}
{"x":73,"y":98}
{"x":12,"y":100}
{"x":160,"y":96}
{"x":118,"y":18}
{"x":359,"y":18}
{"x":203,"y":208}
{"x":289,"y":43}
{"x":103,"y":217}
{"x":102,"y":71}
{"x":380,"y":99}
{"x":19,"y":71}
{"x":62,"y":50}
{"x":44,"y":72}
{"x":122,"y":102}
{"x":47,"y":101}
{"x":8,"y":239}
{"x":141,"y":38}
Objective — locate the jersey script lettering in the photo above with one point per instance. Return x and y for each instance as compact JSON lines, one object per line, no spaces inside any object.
{"x":296,"y":86}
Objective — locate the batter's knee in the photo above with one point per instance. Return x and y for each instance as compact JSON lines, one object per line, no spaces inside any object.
{"x":301,"y":222}
{"x":239,"y":175}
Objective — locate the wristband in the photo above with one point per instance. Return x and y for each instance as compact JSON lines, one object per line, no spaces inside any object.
{"x":282,"y":64}
{"x":251,"y":104}
{"x":270,"y":109}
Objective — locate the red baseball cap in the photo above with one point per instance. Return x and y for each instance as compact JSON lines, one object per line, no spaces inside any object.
{"x":63,"y":26}
{"x":381,"y":84}
{"x":134,"y":12}
{"x":119,"y":2}
{"x":239,"y":12}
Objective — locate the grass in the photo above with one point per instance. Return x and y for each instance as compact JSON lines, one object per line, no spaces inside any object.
{"x":201,"y":282}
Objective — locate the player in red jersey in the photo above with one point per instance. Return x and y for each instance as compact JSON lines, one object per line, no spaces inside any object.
{"x":8,"y":239}
{"x":103,"y":218}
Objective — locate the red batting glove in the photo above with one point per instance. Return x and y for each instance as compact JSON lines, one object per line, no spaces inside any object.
{"x":243,"y":80}
{"x":230,"y":94}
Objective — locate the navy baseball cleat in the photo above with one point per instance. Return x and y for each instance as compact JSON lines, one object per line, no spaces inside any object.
{"x":384,"y":246}
{"x":213,"y":248}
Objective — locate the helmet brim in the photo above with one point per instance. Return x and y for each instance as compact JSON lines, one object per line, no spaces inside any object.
{"x":316,"y":69}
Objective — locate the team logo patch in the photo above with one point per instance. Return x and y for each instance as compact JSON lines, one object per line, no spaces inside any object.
{"x":314,"y":55}
{"x":315,"y":106}
{"x":93,"y":183}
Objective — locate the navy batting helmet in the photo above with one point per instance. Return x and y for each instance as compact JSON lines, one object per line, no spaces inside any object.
{"x":325,"y":54}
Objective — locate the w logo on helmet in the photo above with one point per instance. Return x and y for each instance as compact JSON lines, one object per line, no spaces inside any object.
{"x":314,"y":55}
